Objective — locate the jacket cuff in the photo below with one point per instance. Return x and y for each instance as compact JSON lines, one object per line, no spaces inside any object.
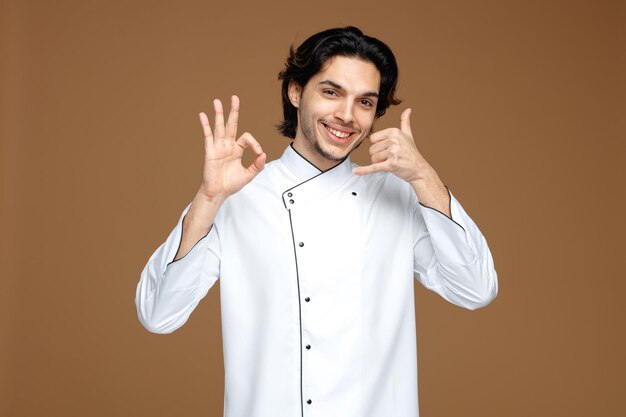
{"x":449,"y":236}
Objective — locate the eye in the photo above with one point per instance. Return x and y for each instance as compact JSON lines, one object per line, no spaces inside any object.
{"x":367,"y":103}
{"x":329,"y":92}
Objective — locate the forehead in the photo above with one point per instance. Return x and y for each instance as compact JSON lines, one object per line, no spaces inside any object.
{"x":352,"y":74}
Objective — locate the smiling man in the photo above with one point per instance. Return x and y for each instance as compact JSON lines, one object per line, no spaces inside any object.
{"x":337,"y":109}
{"x":317,"y":256}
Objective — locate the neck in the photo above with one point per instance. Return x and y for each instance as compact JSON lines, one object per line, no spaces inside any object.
{"x":314,"y":157}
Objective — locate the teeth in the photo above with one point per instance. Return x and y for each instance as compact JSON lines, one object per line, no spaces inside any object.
{"x":337,"y":133}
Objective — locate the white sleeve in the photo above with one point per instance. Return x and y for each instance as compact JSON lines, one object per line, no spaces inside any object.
{"x":168,"y":290}
{"x":451,"y":257}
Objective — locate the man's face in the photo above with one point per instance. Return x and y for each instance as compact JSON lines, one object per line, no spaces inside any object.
{"x":336,"y":110}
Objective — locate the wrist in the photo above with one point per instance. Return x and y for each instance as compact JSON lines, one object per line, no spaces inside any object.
{"x":431,"y":192}
{"x":202,"y":200}
{"x":427,"y":182}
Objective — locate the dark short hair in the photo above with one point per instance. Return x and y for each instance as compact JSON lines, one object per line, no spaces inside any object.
{"x":312,"y":54}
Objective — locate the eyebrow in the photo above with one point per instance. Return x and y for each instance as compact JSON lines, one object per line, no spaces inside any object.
{"x":338,"y":87}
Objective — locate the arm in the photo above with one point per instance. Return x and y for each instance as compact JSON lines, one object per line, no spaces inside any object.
{"x":223,"y":174}
{"x":183,"y":269}
{"x":451,"y":255}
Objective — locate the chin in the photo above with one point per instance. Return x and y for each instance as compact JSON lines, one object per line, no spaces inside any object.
{"x":334,"y":153}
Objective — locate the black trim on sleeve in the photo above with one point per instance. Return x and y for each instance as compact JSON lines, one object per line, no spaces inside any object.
{"x":180,"y":242}
{"x":449,"y":208}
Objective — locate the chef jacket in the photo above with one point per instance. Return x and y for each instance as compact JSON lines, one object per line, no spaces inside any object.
{"x":316,"y":288}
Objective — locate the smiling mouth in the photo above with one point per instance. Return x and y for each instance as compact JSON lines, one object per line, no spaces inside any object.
{"x":338,"y":135}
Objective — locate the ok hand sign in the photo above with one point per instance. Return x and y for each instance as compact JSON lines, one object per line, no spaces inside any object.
{"x":223,"y":173}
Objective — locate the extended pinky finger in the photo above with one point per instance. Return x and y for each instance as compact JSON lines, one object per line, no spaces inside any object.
{"x":370,"y":169}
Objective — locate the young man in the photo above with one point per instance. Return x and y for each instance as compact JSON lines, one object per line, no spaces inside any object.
{"x":316,"y":255}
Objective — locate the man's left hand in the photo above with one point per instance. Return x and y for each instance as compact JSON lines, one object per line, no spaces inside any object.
{"x":394,"y":150}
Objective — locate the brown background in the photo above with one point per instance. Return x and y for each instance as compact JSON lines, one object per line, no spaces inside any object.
{"x":520,"y":106}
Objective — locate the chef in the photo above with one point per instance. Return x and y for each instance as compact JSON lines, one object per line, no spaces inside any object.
{"x":317,"y":256}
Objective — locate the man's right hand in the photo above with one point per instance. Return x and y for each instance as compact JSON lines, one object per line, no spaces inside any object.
{"x":223,"y":174}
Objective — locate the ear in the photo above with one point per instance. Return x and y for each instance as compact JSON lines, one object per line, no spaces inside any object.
{"x":294,"y":91}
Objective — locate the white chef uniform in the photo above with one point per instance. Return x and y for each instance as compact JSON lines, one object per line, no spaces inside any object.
{"x":317,"y":299}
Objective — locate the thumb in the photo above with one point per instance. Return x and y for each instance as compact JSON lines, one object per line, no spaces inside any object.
{"x":259,"y":161}
{"x":405,"y":122}
{"x":257,"y":165}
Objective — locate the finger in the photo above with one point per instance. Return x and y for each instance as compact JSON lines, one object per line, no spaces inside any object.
{"x":370,"y":169}
{"x":380,"y":146}
{"x":385,"y":133}
{"x":206,"y":128}
{"x":380,"y":135}
{"x":257,"y":165}
{"x":248,"y":141}
{"x":390,"y":155}
{"x":380,"y":156}
{"x":405,"y":122}
{"x":233,"y":117}
{"x":219,"y":119}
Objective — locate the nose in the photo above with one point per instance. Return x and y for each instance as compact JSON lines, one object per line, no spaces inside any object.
{"x":344,"y":111}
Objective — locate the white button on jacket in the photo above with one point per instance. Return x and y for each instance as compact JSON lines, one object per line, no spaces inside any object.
{"x":316,"y":288}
